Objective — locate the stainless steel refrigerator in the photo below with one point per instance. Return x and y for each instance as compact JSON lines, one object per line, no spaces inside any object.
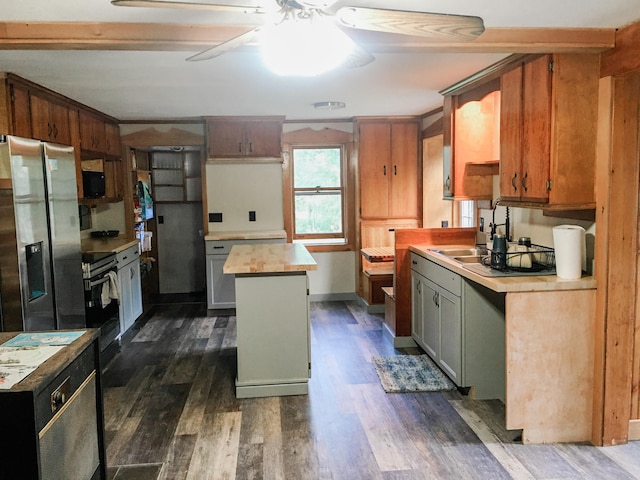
{"x":40,"y":259}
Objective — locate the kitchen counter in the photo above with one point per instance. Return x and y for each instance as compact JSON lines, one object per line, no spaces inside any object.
{"x":269,"y":258}
{"x":549,"y":350}
{"x":107,"y":244}
{"x":537,"y":283}
{"x":245,"y":235}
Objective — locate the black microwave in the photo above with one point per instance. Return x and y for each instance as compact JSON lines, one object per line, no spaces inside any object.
{"x":93,"y":184}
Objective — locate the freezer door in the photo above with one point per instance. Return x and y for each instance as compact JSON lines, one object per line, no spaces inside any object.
{"x":32,"y":240}
{"x":64,"y":229}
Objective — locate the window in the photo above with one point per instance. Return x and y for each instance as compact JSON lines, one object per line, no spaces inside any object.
{"x":467,"y":213}
{"x":318,"y":193}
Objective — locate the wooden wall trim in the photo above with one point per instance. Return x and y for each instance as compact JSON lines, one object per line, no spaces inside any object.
{"x":402,"y":264}
{"x":625,"y":57}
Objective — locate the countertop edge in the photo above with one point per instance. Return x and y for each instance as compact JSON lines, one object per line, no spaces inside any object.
{"x":288,"y":258}
{"x":507,"y":284}
{"x":245,"y":235}
{"x":100,"y":245}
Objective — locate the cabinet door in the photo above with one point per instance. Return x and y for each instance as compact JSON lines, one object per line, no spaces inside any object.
{"x":20,"y":111}
{"x":430,"y":319}
{"x":112,"y":139}
{"x":92,"y":133}
{"x":536,"y":137}
{"x":263,"y":139}
{"x":226,"y":139}
{"x":450,"y":335}
{"x":511,"y":134}
{"x":416,"y":306}
{"x":59,"y":115}
{"x":124,"y":285}
{"x":136,"y":290}
{"x":374,"y":162}
{"x":221,"y":290}
{"x":41,"y":126}
{"x":403,"y":195}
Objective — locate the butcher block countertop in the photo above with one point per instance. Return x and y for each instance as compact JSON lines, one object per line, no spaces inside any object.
{"x":106,"y":244}
{"x":269,"y":258}
{"x":245,"y":235}
{"x":538,"y":283}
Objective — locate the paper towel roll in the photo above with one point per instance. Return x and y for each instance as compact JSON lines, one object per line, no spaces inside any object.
{"x":570,"y":249}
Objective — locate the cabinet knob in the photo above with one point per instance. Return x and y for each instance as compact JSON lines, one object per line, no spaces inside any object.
{"x":513,"y":182}
{"x":384,"y":170}
{"x":447,"y":182}
{"x":395,"y":170}
{"x":239,"y":147}
{"x":524,"y":181}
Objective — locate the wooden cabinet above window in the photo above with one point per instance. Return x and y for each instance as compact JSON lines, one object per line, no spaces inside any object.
{"x":92,"y":133}
{"x":471,"y":141}
{"x":244,"y":138}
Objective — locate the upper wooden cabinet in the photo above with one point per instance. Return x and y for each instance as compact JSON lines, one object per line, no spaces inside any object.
{"x":389,"y":168}
{"x":548,"y":126}
{"x":49,"y":120}
{"x":244,"y":137}
{"x":92,"y":133}
{"x":20,"y":111}
{"x":112,"y":139}
{"x":471,"y":141}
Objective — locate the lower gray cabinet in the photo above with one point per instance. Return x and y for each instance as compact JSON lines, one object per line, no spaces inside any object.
{"x":221,"y":289}
{"x":460,"y":325}
{"x":130,"y":287}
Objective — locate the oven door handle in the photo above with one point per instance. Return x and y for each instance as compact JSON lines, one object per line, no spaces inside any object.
{"x":98,"y":282}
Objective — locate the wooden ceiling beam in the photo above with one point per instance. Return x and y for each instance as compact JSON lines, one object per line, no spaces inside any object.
{"x":176,"y":37}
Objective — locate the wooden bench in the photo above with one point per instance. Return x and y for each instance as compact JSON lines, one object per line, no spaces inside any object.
{"x":377,"y":273}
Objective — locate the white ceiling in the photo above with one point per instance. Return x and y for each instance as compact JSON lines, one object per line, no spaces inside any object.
{"x":152,"y":84}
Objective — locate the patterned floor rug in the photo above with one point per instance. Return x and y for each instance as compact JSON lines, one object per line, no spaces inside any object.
{"x":410,"y":373}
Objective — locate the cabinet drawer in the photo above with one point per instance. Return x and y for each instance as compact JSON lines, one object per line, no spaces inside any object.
{"x":419,"y":264}
{"x":444,"y":278}
{"x":223,"y":247}
{"x":127,"y":256}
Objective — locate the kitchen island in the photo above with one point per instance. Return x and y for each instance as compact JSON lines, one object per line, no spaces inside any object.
{"x":272,"y":311}
{"x":549,"y":350}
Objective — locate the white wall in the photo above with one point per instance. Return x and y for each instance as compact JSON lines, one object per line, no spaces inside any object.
{"x":335,"y":274}
{"x":235,"y":189}
{"x":107,"y":216}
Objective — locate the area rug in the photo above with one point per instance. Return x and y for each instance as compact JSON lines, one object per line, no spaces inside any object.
{"x":410,"y":373}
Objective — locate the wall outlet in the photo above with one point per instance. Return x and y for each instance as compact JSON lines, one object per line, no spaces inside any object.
{"x":215,"y":217}
{"x":482,"y":224}
{"x":444,"y":223}
{"x":252,"y":215}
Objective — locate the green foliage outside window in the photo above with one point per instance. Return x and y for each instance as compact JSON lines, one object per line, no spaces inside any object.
{"x":318,"y":196}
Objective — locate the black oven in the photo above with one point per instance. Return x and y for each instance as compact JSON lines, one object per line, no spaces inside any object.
{"x":99,"y":272}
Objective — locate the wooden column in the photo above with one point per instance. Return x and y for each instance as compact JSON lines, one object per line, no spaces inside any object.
{"x":616,"y":258}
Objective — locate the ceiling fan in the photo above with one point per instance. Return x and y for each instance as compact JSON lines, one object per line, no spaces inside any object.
{"x":423,"y":24}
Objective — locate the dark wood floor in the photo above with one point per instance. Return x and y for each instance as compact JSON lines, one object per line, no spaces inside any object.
{"x":171,"y":413}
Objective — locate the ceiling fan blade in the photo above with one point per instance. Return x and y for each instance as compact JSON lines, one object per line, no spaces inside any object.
{"x":187,"y":6}
{"x":224,"y":47}
{"x":422,"y":24}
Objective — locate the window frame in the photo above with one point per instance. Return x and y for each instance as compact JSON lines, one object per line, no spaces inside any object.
{"x":323,"y":138}
{"x":309,"y":237}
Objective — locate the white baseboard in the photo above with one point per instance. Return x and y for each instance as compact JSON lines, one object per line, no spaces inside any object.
{"x":333,"y":297}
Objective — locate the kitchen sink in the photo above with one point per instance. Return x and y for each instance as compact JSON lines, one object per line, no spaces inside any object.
{"x":462,"y":252}
{"x":469,"y":259}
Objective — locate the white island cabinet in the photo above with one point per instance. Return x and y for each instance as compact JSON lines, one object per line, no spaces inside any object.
{"x":272,"y":312}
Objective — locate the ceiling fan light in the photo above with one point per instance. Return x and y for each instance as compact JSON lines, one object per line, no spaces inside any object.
{"x":304,"y":47}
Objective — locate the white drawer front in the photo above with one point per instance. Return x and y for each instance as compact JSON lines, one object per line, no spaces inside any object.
{"x":445,"y":278}
{"x":127,"y":256}
{"x":223,"y":247}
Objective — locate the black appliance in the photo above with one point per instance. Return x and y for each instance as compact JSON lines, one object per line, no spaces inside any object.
{"x":93,"y":184}
{"x":97,"y":270}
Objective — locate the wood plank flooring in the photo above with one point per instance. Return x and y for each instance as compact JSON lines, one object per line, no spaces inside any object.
{"x":171,"y":413}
